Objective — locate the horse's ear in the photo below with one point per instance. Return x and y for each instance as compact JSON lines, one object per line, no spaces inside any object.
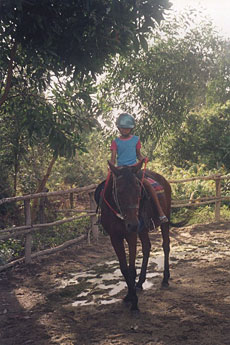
{"x":114,"y":169}
{"x":137,"y":166}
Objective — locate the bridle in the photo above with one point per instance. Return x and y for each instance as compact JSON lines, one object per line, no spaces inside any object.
{"x":116,"y":200}
{"x":119,"y":213}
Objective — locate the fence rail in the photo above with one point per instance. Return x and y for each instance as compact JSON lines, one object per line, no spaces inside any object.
{"x":207,"y":200}
{"x":29,"y":228}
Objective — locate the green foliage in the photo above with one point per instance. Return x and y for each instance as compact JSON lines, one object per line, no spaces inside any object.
{"x":85,"y":168}
{"x":78,"y":37}
{"x":43,"y":239}
{"x":197,"y":188}
{"x":53,"y":40}
{"x":162,"y":85}
{"x":191,"y":189}
{"x":203,"y":139}
{"x":9,"y":212}
{"x":206,"y":214}
{"x":218,"y":88}
{"x":197,"y":215}
{"x":9,"y":250}
{"x":194,"y":190}
{"x":35,"y":127}
{"x":51,"y":237}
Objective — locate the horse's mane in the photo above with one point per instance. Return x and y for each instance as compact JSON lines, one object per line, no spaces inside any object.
{"x":128,"y":175}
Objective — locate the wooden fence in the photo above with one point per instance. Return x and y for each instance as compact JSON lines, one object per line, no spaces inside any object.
{"x":204,"y":200}
{"x":29,"y":228}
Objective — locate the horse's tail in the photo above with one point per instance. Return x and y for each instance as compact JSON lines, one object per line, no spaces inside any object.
{"x":179,"y":224}
{"x":189,"y":214}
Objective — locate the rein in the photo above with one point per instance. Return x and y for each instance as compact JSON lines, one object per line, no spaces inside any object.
{"x":119,"y":215}
{"x":143,"y":176}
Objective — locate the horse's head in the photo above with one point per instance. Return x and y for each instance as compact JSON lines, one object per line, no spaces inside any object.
{"x":126,"y":193}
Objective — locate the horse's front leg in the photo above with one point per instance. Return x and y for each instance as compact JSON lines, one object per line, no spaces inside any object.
{"x":166,"y":248}
{"x":131,"y":239}
{"x":146,"y":246}
{"x":129,"y":273}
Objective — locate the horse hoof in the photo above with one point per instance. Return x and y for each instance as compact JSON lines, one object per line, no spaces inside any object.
{"x":127,"y":299}
{"x":135,"y":310}
{"x":165,"y":284}
{"x":139,"y":287}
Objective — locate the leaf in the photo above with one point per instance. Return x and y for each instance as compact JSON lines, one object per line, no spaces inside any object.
{"x":136,"y":45}
{"x":143,"y":42}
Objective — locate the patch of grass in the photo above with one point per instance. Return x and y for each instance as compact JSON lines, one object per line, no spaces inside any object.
{"x":200,"y":215}
{"x":51,"y":237}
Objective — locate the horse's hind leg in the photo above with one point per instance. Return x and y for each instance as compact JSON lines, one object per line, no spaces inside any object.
{"x":146,"y":246}
{"x":166,"y":248}
{"x":128,"y":274}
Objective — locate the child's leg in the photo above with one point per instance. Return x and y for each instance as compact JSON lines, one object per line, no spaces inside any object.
{"x":154,"y":196}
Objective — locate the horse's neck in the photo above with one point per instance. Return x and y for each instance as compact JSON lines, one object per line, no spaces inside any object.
{"x":109,"y":190}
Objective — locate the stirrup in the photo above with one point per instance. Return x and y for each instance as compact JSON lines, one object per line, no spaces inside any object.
{"x":163,"y":219}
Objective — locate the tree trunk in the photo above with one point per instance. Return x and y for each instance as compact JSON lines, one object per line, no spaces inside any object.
{"x":16,"y":169}
{"x":41,"y":187}
{"x":9,"y":74}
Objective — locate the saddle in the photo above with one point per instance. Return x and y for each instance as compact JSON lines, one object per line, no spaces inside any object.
{"x":147,"y":208}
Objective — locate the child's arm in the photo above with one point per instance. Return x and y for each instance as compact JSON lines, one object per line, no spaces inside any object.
{"x":113,"y":157}
{"x":139,"y":155}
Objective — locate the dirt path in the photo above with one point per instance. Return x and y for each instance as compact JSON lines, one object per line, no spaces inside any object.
{"x":195,"y":309}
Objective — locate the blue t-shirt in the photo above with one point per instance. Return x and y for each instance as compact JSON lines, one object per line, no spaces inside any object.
{"x":126,"y":150}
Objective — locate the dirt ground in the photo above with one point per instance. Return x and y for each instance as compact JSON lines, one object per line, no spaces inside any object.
{"x":195,"y":309}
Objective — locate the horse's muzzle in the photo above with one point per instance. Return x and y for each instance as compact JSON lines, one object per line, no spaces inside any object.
{"x":131,"y":218}
{"x":131,"y":226}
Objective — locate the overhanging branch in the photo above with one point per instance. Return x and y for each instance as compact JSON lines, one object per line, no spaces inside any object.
{"x":9,"y":74}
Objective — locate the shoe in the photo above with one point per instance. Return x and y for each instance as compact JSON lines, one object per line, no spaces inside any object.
{"x":163,"y":219}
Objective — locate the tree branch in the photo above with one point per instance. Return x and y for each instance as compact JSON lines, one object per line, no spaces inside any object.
{"x":9,"y":74}
{"x":42,"y":186}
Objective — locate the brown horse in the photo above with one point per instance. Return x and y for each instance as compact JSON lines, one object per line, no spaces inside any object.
{"x":124,"y":205}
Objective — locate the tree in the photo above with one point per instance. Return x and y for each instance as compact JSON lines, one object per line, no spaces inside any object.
{"x":55,"y":122}
{"x":86,"y":167}
{"x":163,"y":84}
{"x":202,"y":139}
{"x":72,"y":37}
{"x":218,"y":88}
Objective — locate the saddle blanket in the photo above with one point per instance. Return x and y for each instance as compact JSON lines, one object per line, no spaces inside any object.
{"x":158,"y":188}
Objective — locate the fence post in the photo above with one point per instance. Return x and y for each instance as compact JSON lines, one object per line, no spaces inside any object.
{"x":71,"y":200}
{"x":28,"y":244}
{"x":218,"y":195}
{"x":93,"y":218}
